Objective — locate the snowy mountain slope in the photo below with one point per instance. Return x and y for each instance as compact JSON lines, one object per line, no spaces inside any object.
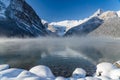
{"x":24,"y":18}
{"x":85,"y":28}
{"x":71,"y":23}
{"x":108,"y":26}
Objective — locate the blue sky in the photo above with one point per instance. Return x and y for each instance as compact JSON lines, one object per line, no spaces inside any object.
{"x":58,"y":10}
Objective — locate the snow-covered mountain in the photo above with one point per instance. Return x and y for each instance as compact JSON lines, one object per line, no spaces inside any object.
{"x":71,"y":23}
{"x":17,"y":18}
{"x":74,"y":24}
{"x":63,"y":26}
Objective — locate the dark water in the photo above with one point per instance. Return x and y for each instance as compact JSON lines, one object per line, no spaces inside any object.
{"x":62,"y":55}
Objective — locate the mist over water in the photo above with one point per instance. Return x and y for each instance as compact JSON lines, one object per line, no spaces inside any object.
{"x":64,"y":54}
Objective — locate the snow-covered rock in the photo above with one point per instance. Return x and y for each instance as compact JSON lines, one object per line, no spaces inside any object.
{"x":104,"y":78}
{"x":81,"y":79}
{"x":71,"y":78}
{"x":12,"y":72}
{"x":92,"y":78}
{"x":24,"y":74}
{"x":60,"y":78}
{"x":79,"y":73}
{"x":104,"y":68}
{"x":26,"y":78}
{"x":117,"y":64}
{"x":105,"y":71}
{"x":4,"y":67}
{"x":115,"y":74}
{"x":42,"y":71}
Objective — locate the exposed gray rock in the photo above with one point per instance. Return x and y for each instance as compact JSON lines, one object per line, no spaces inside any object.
{"x":110,"y":28}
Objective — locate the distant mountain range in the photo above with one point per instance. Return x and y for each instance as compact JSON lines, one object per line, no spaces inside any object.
{"x":18,"y":19}
{"x":91,"y":25}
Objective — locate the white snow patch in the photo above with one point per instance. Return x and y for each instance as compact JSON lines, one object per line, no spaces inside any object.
{"x":118,"y":13}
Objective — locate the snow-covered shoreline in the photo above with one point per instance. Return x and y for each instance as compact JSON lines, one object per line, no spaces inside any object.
{"x":104,"y":71}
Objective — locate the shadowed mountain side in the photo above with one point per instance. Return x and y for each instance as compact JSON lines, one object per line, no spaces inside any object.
{"x":110,"y":27}
{"x":10,"y":29}
{"x":23,"y":18}
{"x":85,"y":28}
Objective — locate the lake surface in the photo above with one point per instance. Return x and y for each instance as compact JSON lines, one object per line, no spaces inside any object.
{"x":62,"y":55}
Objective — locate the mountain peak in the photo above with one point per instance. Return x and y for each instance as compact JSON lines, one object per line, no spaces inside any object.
{"x":97,"y":13}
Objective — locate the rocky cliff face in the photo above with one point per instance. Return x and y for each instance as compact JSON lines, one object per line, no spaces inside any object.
{"x":110,"y":28}
{"x":17,"y":18}
{"x":108,"y":14}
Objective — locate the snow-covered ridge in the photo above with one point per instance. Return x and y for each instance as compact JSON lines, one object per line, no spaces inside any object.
{"x":72,"y":23}
{"x":69,"y":24}
{"x":104,"y":71}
